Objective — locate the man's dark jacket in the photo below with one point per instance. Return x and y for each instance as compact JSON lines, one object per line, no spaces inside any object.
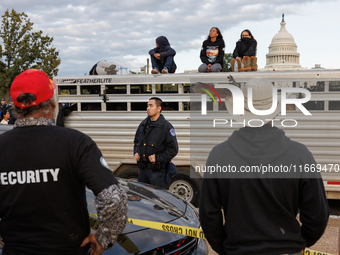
{"x":245,"y":47}
{"x":159,"y":139}
{"x":260,"y":213}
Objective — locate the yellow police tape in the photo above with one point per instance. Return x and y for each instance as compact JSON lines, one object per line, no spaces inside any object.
{"x":172,"y":228}
{"x":176,"y":229}
{"x":311,"y":252}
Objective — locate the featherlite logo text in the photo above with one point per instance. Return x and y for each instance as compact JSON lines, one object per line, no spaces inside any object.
{"x":238,"y":102}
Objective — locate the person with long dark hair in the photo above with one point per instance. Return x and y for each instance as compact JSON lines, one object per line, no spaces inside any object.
{"x":212,"y":52}
{"x":245,"y":52}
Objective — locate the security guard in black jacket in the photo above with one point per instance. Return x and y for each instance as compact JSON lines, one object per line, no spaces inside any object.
{"x":155,"y":145}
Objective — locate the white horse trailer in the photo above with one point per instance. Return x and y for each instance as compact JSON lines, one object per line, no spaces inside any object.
{"x":109,"y":109}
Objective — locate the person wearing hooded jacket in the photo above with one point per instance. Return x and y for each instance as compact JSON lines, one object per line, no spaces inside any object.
{"x":212,"y":52}
{"x":245,"y":52}
{"x":260,"y":210}
{"x":162,"y":57}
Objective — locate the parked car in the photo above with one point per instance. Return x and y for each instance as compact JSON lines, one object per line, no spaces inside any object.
{"x":147,"y":202}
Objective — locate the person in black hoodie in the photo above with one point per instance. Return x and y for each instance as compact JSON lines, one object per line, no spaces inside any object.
{"x":162,"y":57}
{"x":245,"y":52}
{"x":260,"y":210}
{"x":212,"y":52}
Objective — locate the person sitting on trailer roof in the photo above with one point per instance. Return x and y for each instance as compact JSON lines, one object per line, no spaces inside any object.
{"x":245,"y":53}
{"x":212,"y":52}
{"x":162,"y":57}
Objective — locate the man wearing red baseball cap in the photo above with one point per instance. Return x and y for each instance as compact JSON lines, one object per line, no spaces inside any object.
{"x":43,"y":207}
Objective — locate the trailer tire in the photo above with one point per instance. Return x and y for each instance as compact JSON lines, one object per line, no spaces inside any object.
{"x":130,"y":173}
{"x":185,"y":187}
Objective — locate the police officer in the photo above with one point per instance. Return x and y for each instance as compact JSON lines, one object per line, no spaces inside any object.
{"x":3,"y":106}
{"x":155,"y":145}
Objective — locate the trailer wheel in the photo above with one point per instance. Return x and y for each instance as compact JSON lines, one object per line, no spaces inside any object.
{"x":130,"y":173}
{"x":185,"y":187}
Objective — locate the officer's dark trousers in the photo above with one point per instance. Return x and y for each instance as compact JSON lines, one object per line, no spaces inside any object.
{"x":154,"y":178}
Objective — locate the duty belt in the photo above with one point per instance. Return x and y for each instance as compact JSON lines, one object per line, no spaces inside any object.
{"x":156,"y":166}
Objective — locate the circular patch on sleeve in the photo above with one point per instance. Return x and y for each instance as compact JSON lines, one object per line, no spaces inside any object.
{"x":172,"y":132}
{"x":104,"y":163}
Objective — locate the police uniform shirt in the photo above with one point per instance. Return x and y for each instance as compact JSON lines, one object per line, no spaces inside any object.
{"x":156,"y":137}
{"x":149,"y":124}
{"x":43,"y":173}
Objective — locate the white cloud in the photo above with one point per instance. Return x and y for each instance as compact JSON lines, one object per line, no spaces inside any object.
{"x":124,"y":31}
{"x":291,"y":9}
{"x":251,"y":8}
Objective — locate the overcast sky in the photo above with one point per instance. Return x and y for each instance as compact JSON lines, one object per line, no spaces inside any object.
{"x":86,"y":32}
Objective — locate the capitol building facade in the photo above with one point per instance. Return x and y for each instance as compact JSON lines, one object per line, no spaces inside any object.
{"x":283,"y":53}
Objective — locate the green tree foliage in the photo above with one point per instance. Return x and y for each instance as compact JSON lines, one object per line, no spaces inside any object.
{"x":226,"y":62}
{"x":21,"y":49}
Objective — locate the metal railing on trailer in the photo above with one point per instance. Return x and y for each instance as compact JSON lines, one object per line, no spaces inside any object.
{"x":109,"y":109}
